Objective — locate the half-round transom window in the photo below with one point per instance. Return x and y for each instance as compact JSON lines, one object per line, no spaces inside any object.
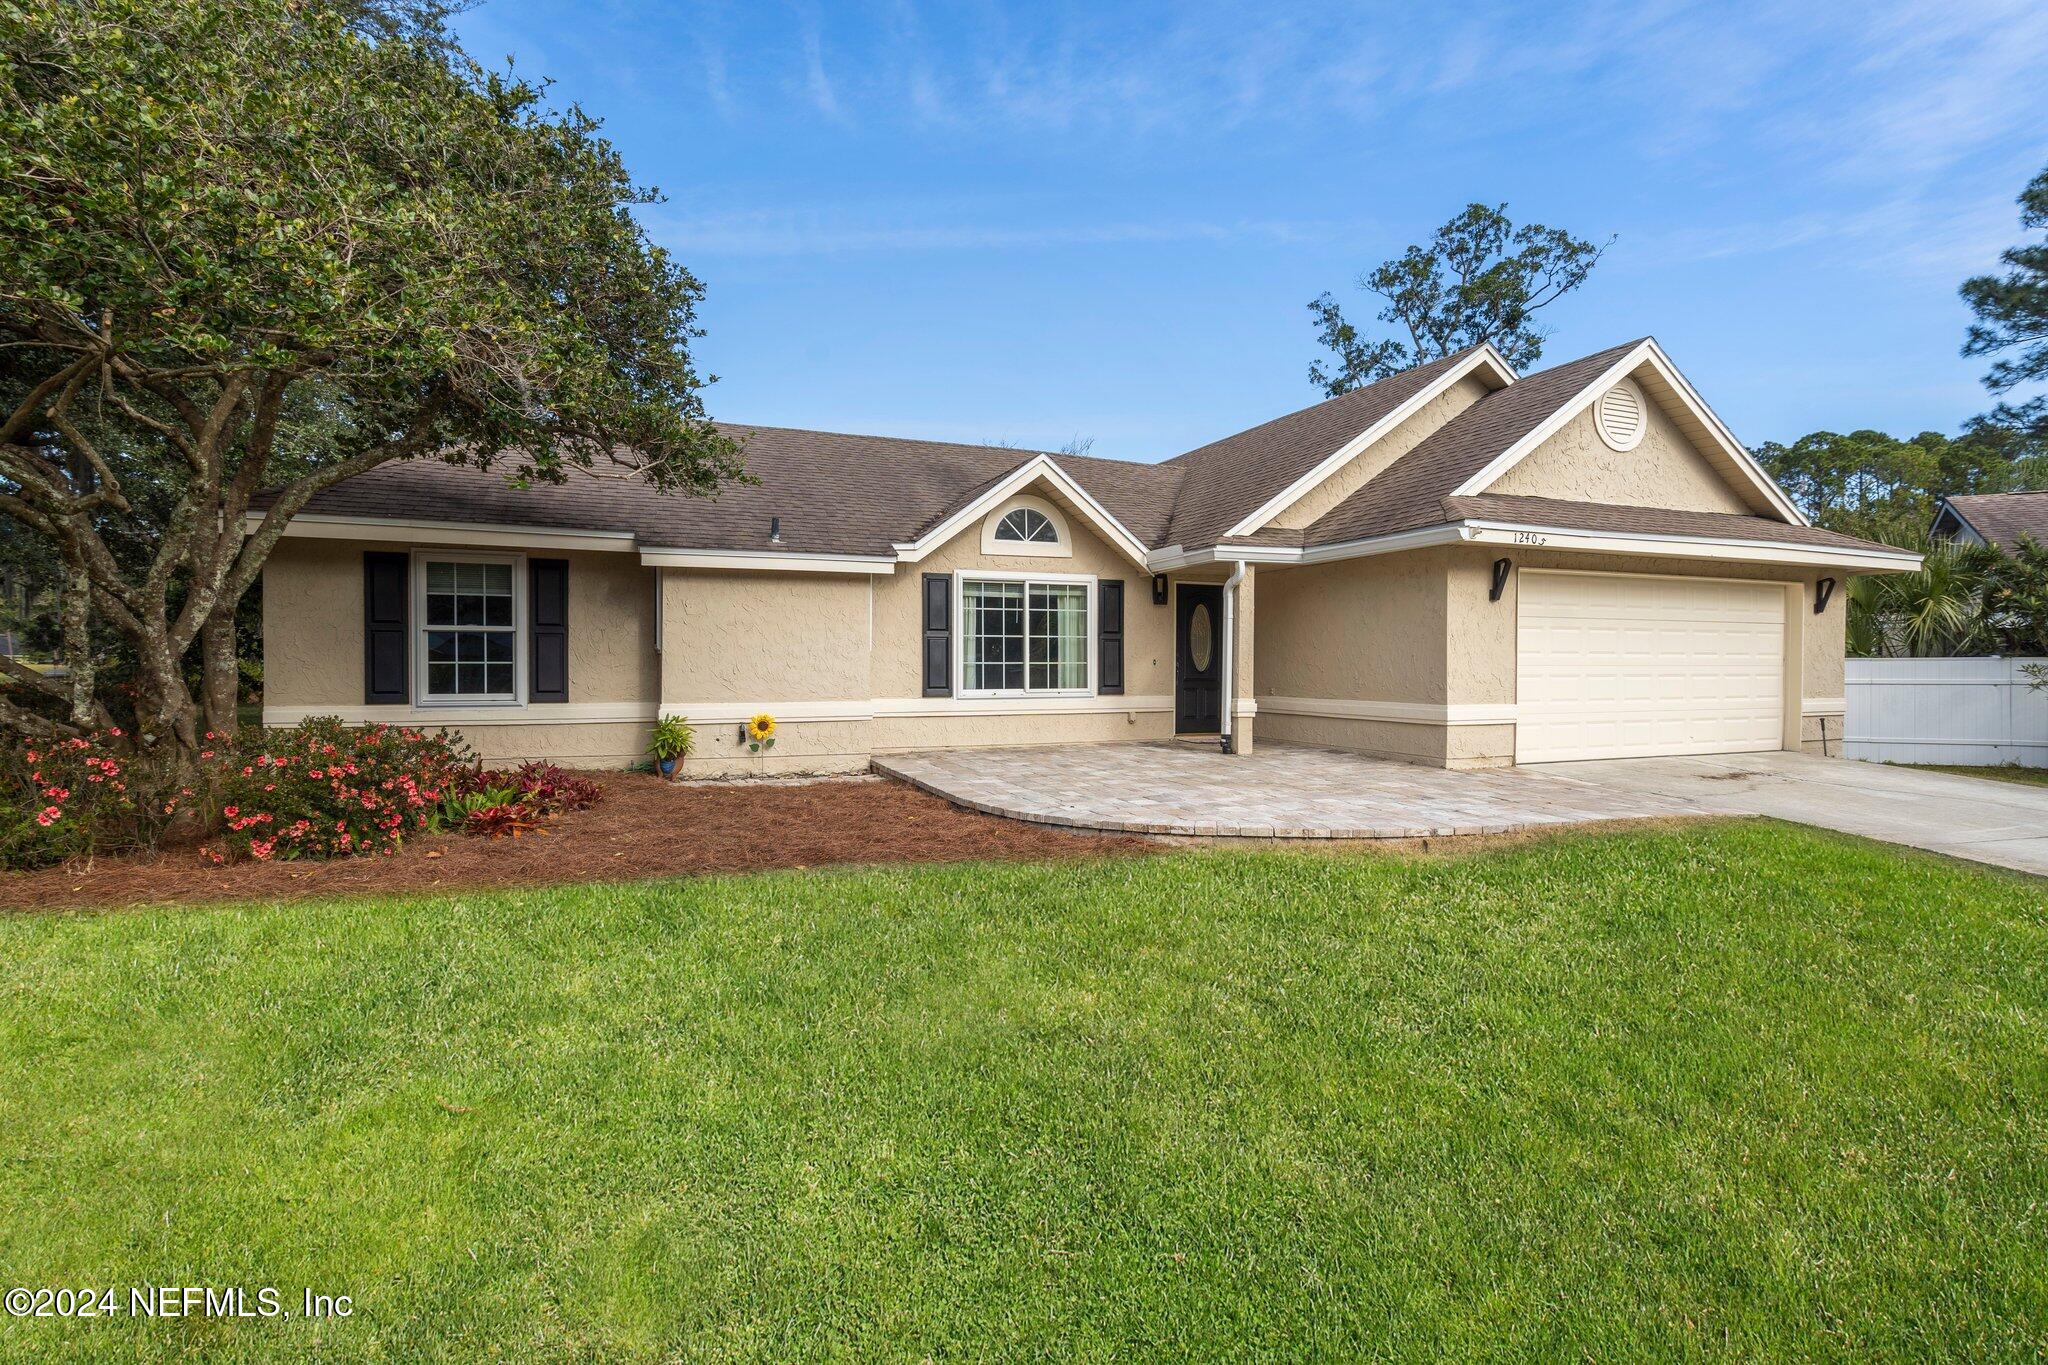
{"x":1029,"y":526}
{"x":1622,"y":416}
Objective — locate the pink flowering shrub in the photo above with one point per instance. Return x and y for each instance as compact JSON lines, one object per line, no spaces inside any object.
{"x":322,"y":789}
{"x":71,"y":798}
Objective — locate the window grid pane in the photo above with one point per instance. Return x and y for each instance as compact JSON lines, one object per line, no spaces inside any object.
{"x":478,"y":659}
{"x":1029,"y":637}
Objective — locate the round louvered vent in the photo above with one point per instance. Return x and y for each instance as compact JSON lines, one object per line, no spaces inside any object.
{"x":1622,"y":415}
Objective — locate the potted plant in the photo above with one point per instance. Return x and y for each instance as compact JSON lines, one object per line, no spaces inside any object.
{"x":673,"y":740}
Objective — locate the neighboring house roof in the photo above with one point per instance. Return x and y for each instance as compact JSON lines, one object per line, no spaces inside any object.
{"x":1999,"y":518}
{"x":876,"y":496}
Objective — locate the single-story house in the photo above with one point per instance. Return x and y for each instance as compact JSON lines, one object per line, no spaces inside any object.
{"x":1457,"y":566}
{"x":1996,"y":519}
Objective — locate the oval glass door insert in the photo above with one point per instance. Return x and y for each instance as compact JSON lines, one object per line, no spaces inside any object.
{"x":1201,"y":637}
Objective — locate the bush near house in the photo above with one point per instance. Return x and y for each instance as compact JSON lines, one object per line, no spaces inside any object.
{"x":318,"y":789}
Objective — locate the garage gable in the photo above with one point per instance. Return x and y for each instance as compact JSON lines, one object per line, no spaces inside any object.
{"x":1639,"y":402}
{"x":1663,"y":469}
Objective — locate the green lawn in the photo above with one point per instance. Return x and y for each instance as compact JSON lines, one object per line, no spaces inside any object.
{"x":2002,"y":772}
{"x":1739,"y":1089}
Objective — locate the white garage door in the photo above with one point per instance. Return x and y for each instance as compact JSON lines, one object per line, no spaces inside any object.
{"x":1626,"y":665}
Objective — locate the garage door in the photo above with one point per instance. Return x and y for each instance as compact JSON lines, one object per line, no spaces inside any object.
{"x":1626,"y":665}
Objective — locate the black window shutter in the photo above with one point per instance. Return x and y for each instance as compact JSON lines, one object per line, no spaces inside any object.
{"x":938,"y":635}
{"x":1109,"y":627}
{"x":386,"y":598}
{"x":547,"y":613}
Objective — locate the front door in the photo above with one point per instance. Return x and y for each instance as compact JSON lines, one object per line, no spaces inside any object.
{"x":1198,"y":704}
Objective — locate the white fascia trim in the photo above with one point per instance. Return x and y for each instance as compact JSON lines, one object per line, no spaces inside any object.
{"x":1823,"y":706}
{"x":1649,"y":352}
{"x":1038,"y":467}
{"x":1690,"y":547}
{"x":1175,"y":557}
{"x":311,"y":526}
{"x":1485,"y":356}
{"x":766,"y":560}
{"x":434,"y":717}
{"x":1398,"y":712}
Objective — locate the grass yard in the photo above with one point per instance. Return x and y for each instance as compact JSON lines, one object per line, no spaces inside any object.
{"x":1998,"y":772}
{"x":1733,"y":1089}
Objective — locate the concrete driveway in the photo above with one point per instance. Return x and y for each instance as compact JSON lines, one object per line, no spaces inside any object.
{"x":1981,"y":818}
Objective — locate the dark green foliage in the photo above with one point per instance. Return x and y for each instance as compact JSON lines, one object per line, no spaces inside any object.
{"x":2012,"y":318}
{"x":1481,"y":278}
{"x":250,"y":243}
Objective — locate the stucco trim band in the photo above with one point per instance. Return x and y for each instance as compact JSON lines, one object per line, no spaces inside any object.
{"x":799,"y":712}
{"x":1399,"y":712}
{"x":431,"y":717}
{"x":1824,"y":706}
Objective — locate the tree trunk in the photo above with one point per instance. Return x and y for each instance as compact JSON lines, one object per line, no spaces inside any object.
{"x":220,"y":677}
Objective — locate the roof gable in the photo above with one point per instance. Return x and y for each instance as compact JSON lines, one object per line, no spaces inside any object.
{"x":1645,"y":362}
{"x":1230,"y":481}
{"x":2001,"y":519}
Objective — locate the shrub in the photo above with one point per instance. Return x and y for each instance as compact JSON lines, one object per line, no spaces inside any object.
{"x":507,"y":819}
{"x":322,"y":789}
{"x":73,"y":798}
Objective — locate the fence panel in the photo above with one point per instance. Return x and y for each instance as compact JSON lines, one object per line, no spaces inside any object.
{"x":1966,"y":711}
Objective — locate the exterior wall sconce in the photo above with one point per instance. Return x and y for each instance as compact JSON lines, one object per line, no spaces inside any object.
{"x":775,"y":529}
{"x":1159,"y":590}
{"x":1500,"y":578}
{"x":1823,"y":589}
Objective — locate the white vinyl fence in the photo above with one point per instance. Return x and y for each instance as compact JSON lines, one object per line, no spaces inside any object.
{"x":1975,"y":711}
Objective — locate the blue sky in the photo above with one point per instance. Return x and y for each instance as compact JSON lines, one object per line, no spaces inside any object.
{"x":1039,"y":221}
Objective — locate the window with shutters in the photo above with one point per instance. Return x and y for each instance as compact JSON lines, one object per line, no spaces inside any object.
{"x":468,"y":626}
{"x":1026,"y":635}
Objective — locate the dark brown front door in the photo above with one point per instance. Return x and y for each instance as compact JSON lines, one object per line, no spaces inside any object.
{"x":1198,"y":704}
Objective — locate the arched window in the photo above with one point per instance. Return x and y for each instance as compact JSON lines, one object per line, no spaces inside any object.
{"x":1028,"y":526}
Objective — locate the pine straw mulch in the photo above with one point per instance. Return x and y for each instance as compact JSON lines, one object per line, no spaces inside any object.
{"x":643,"y":828}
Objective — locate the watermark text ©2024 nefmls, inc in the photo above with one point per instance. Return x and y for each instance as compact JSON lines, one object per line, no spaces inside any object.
{"x":175,"y":1301}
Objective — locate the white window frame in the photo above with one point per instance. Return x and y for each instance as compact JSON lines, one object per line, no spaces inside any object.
{"x":1061,"y":546}
{"x":1086,"y":581}
{"x":423,"y":697}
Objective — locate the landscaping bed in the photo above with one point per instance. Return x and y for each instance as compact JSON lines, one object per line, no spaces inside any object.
{"x":643,"y":827}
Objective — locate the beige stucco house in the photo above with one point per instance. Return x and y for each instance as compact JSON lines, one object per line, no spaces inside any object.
{"x":1456,"y":566}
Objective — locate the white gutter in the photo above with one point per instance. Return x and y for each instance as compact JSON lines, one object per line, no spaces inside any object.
{"x":1230,"y":651}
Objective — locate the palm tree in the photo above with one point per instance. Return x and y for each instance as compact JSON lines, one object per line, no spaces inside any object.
{"x":1936,"y":611}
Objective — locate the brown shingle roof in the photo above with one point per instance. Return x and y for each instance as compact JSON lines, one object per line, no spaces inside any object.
{"x":845,"y":494}
{"x":1410,"y":492}
{"x":2002,"y":518}
{"x":1648,"y":521}
{"x":834,"y":493}
{"x":1226,"y":479}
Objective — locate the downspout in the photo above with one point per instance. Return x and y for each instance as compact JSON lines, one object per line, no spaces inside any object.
{"x":1230,"y":652}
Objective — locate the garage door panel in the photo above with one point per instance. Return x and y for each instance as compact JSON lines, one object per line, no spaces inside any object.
{"x":1612,"y":666}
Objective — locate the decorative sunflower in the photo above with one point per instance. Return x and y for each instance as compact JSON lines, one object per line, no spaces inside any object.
{"x":761,"y":729}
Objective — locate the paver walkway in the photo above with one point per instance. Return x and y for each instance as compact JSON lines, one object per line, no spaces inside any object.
{"x":1279,"y":790}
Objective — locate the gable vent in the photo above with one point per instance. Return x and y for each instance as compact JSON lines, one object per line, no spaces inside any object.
{"x":1622,"y":416}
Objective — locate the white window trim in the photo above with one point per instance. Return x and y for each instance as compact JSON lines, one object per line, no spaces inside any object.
{"x":1027,"y":692}
{"x":423,"y":699}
